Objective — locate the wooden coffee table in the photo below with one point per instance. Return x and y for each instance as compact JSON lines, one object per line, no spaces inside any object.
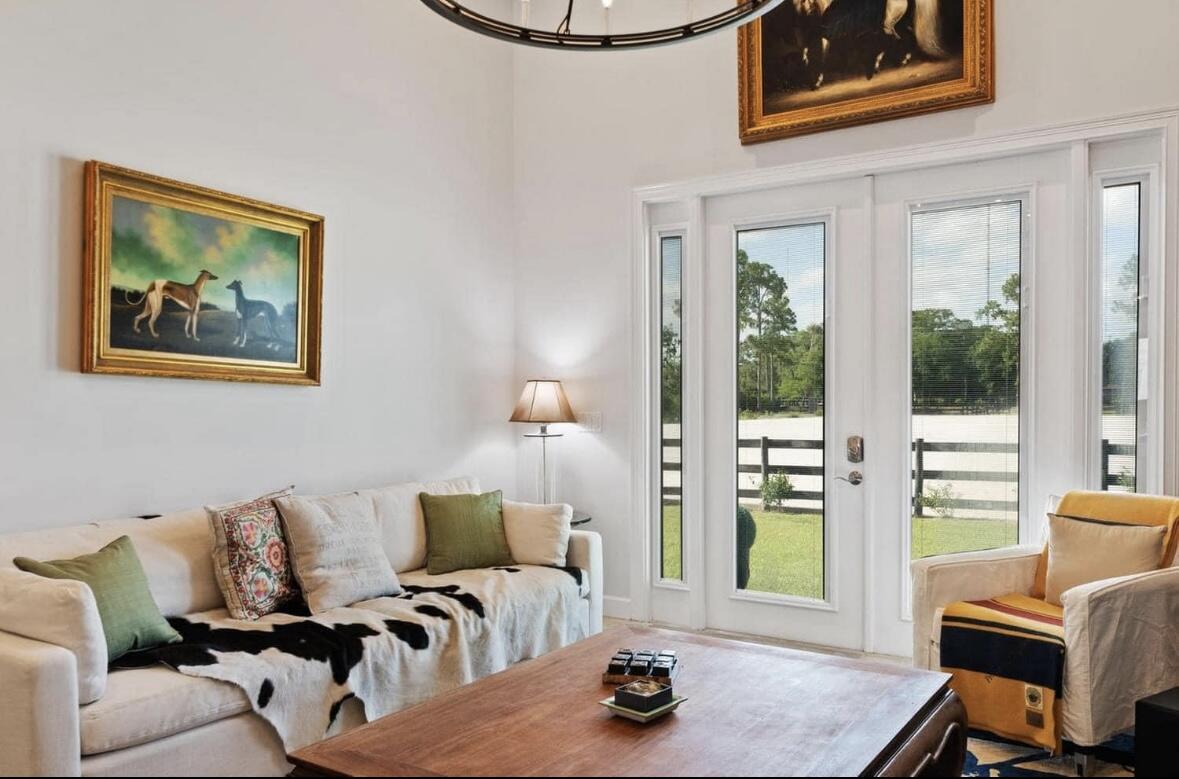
{"x":751,"y":710}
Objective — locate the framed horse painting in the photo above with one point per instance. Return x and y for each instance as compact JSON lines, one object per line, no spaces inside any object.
{"x":188,"y":282}
{"x":812,"y":65}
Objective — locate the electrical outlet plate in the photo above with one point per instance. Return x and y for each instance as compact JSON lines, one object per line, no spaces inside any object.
{"x":590,"y":421}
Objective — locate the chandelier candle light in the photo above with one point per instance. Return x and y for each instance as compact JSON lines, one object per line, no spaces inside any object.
{"x":693,"y":19}
{"x":543,"y":402}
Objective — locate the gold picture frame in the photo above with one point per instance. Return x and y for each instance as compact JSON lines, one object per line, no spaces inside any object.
{"x":767,"y":115}
{"x":182,"y":281}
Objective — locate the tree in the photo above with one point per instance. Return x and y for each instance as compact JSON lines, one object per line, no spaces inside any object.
{"x":996,"y":354}
{"x":765,"y":320}
{"x":804,"y":377}
{"x":1127,"y":305}
{"x":670,"y":374}
{"x":942,"y":343}
{"x":1119,"y":354}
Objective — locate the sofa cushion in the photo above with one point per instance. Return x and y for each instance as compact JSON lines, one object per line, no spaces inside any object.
{"x":399,"y":515}
{"x":131,"y":619}
{"x":335,"y":549}
{"x":146,"y":704}
{"x":174,"y":549}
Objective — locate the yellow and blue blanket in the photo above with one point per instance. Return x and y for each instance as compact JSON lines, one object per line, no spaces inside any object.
{"x":1006,"y":655}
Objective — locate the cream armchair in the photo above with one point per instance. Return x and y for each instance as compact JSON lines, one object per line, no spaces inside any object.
{"x":1121,"y":635}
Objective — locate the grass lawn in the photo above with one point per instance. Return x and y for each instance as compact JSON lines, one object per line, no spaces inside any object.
{"x":787,"y":557}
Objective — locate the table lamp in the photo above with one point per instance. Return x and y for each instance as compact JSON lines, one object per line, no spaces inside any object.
{"x":543,"y":402}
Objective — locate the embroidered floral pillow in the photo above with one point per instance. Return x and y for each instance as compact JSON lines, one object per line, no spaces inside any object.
{"x":250,"y":557}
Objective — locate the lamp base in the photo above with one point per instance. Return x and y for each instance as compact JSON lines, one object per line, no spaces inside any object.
{"x":545,"y":488}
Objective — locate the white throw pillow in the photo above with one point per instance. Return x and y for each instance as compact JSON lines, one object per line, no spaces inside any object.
{"x":538,"y":534}
{"x":61,"y":612}
{"x":1082,"y":551}
{"x":335,"y":549}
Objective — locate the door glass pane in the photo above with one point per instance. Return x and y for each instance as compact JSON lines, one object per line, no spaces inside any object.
{"x":965,"y":363}
{"x":1120,"y":345}
{"x":780,"y":380}
{"x":670,"y":397}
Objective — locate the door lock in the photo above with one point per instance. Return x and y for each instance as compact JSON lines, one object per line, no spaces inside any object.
{"x":854,"y":478}
{"x":855,"y":449}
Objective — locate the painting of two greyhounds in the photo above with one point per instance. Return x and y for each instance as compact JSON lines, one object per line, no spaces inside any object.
{"x":189,"y":282}
{"x":188,"y":297}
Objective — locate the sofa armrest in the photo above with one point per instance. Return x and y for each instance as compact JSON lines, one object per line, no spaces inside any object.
{"x":938,"y":581}
{"x":39,"y":709}
{"x":60,"y":612}
{"x":1121,"y":640}
{"x":585,"y":552}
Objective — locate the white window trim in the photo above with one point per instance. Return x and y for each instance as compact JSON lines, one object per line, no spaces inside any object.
{"x":1152,"y":237}
{"x":658,"y":234}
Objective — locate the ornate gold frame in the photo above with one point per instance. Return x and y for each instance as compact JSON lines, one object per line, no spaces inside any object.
{"x":103,"y":181}
{"x":975,"y":87}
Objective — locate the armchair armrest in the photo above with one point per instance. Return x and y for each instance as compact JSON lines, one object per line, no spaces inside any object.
{"x":938,"y":581}
{"x":39,"y":709}
{"x":1121,"y":640}
{"x":585,"y":552}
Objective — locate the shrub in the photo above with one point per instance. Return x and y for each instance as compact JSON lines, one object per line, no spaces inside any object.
{"x":939,"y":500}
{"x":1127,"y":481}
{"x":776,"y":489}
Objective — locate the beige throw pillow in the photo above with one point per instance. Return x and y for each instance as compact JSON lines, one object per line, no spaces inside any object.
{"x":335,"y":547}
{"x":1082,"y":551}
{"x":538,"y":534}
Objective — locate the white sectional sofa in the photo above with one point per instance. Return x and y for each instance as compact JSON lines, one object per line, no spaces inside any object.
{"x":154,"y":720}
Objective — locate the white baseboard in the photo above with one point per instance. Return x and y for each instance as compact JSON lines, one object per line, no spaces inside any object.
{"x":616,"y":607}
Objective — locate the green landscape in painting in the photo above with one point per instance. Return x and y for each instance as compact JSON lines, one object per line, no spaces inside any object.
{"x":213,"y":287}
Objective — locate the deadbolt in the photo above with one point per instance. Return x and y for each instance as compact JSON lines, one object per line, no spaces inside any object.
{"x":855,"y":449}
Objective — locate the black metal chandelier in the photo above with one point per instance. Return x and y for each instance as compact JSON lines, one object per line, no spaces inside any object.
{"x":562,"y":37}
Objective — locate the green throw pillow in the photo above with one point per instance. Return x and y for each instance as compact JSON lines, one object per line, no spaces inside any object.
{"x":464,"y":531}
{"x":131,"y":619}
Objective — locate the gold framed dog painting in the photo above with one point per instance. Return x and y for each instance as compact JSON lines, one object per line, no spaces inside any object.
{"x":812,"y":65}
{"x":188,"y":282}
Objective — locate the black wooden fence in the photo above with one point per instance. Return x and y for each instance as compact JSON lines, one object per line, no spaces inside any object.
{"x":920,"y":472}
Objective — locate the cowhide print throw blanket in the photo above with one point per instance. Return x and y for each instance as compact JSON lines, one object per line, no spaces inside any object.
{"x":440,"y":633}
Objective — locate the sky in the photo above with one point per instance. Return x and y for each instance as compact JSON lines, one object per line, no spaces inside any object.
{"x":671,"y":251}
{"x":162,"y":242}
{"x":1119,"y":243}
{"x":960,"y":258}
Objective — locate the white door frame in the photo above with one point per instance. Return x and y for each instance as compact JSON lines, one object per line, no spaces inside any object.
{"x":1161,"y":126}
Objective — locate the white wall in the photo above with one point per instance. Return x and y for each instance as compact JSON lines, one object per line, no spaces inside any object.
{"x":393,"y":125}
{"x":410,"y":136}
{"x":591,"y":127}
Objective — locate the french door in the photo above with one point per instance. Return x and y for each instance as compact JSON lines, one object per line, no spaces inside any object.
{"x":856,"y":361}
{"x":786,"y":319}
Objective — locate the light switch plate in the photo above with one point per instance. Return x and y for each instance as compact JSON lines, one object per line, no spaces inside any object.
{"x":590,"y":421}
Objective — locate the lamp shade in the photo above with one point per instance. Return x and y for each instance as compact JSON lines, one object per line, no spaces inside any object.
{"x":543,"y":401}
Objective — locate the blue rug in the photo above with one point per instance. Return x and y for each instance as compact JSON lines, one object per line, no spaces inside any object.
{"x":991,"y":756}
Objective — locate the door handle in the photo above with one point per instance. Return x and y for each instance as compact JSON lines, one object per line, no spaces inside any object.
{"x":854,"y":478}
